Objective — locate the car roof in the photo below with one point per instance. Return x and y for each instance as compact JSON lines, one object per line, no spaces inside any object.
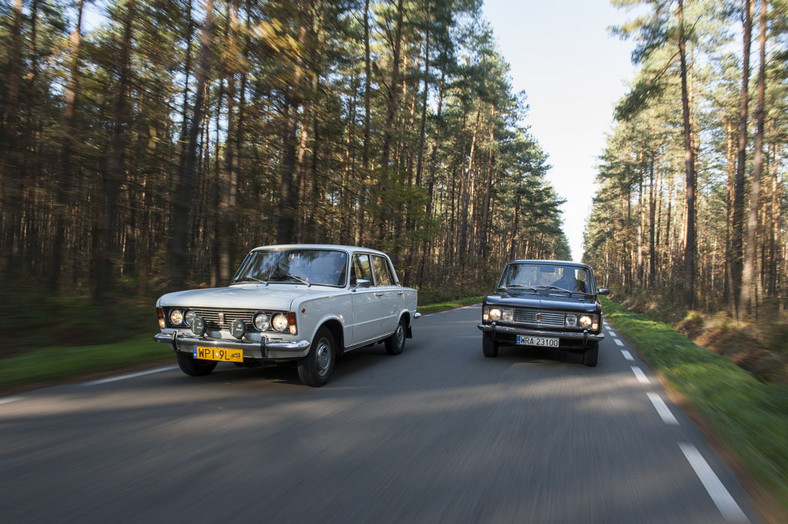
{"x":282,"y":247}
{"x":552,"y":262}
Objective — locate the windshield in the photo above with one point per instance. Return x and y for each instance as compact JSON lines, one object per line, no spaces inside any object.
{"x":294,"y":266}
{"x":550,"y":277}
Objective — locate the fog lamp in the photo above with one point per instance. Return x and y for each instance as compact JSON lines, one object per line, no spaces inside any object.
{"x":238,"y":328}
{"x":198,"y":326}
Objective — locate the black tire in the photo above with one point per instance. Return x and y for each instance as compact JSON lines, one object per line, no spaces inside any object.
{"x":591,"y":355}
{"x":396,"y":342}
{"x":316,"y":367}
{"x":194,"y":367}
{"x":489,"y":346}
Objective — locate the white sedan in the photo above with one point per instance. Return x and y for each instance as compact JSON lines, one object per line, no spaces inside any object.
{"x":303,"y":303}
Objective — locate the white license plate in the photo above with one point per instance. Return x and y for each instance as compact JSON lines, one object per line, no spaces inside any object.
{"x":548,"y":342}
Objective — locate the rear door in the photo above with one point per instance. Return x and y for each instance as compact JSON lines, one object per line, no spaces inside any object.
{"x":388,"y":292}
{"x":366,"y":301}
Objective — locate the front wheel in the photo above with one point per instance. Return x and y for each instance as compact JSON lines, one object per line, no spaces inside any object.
{"x":194,"y":367}
{"x":396,"y":342}
{"x":489,"y":346}
{"x":316,"y":367}
{"x":591,"y":355}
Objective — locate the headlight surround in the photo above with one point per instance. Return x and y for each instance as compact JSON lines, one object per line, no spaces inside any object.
{"x":586,"y":320}
{"x":262,"y":322}
{"x":279,"y":322}
{"x":176,"y":317}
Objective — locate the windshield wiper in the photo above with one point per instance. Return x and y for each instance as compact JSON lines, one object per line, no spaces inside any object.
{"x":555,"y":288}
{"x":298,"y":279}
{"x":248,"y":278}
{"x":520,"y":286}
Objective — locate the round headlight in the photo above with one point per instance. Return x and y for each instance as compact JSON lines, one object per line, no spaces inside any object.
{"x":238,"y":328}
{"x":571,"y":320}
{"x":189,"y":316}
{"x":586,"y":321}
{"x":495,"y":314}
{"x":279,"y":322}
{"x":176,"y":317}
{"x":262,"y":322}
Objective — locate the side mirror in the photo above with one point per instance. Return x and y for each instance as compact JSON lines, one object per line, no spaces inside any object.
{"x":603,"y":291}
{"x":363,"y":283}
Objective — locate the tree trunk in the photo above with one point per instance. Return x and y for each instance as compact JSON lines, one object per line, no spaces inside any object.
{"x":738,"y":188}
{"x":108,"y":252}
{"x":747,"y":302}
{"x":183,"y":196}
{"x":690,"y":264}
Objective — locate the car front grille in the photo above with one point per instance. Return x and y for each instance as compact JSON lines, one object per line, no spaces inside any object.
{"x":222,"y":318}
{"x":539,"y":318}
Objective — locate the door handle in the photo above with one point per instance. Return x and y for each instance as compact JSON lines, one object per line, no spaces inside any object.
{"x":400,"y":293}
{"x":378,"y":295}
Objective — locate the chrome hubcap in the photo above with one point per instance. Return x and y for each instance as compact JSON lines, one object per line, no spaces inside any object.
{"x":323,"y":356}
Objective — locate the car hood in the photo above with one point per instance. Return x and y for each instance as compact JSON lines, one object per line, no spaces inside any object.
{"x":580,"y":303}
{"x":246,"y":296}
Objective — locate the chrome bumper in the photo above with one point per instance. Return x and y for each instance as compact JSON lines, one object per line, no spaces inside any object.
{"x":584,"y":336}
{"x":263,"y":350}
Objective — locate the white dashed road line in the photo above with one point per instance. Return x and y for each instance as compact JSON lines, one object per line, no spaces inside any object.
{"x":721,"y":497}
{"x":130,"y":375}
{"x":662,"y":409}
{"x":618,"y":342}
{"x":642,"y":378}
{"x":627,"y":355}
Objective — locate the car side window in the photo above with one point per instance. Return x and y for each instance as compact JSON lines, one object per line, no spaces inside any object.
{"x":382,"y":271}
{"x":362,"y":269}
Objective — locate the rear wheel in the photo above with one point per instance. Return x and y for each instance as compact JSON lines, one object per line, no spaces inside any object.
{"x":194,"y":367}
{"x":316,"y":367}
{"x":591,"y":355}
{"x":489,"y":346}
{"x":396,"y":342}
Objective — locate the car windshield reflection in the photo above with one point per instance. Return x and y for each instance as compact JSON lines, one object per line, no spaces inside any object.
{"x":297,"y":266}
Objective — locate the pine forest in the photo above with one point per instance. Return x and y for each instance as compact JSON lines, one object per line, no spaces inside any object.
{"x":147,"y":145}
{"x":691,"y":209}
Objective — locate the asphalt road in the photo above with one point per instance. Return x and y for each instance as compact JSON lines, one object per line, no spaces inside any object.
{"x":439,"y":434}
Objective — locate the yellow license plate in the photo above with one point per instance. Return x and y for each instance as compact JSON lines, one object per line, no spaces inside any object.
{"x":221,"y":354}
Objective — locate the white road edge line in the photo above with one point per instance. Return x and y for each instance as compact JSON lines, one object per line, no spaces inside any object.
{"x":642,"y":378}
{"x":627,"y":355}
{"x":9,"y":400}
{"x":662,"y":409}
{"x":721,"y":497}
{"x":618,"y":341}
{"x":130,"y":375}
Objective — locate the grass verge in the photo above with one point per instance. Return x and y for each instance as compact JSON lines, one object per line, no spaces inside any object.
{"x":52,"y":365}
{"x":460,"y":302}
{"x":750,"y":417}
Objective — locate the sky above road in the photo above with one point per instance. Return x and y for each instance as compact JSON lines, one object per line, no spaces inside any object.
{"x":573,"y":72}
